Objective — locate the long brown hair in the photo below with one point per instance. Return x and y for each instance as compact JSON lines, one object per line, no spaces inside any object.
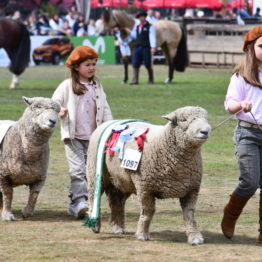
{"x":248,"y":67}
{"x":78,"y":88}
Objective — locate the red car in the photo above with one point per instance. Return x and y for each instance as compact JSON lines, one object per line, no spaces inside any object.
{"x":52,"y":50}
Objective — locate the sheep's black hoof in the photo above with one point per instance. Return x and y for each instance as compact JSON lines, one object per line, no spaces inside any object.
{"x":96,"y":228}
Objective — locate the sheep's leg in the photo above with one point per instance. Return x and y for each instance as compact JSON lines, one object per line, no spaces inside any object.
{"x":147,"y":210}
{"x":188,"y":204}
{"x":34,"y":191}
{"x":117,"y":201}
{"x":7,"y":198}
{"x":15,"y":82}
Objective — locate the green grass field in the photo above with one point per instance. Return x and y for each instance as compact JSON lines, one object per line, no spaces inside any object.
{"x":51,"y":235}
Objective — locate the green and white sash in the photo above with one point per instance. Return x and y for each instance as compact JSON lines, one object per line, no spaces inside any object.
{"x":100,"y":159}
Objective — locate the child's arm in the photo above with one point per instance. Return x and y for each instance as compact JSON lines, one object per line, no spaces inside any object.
{"x":234,"y":107}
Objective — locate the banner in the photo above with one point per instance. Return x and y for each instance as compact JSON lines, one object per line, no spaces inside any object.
{"x":104,"y":45}
{"x":53,"y":50}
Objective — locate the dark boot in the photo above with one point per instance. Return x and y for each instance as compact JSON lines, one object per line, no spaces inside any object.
{"x":125,"y":62}
{"x":150,"y":76}
{"x":260,"y":223}
{"x":232,"y":211}
{"x":135,"y":78}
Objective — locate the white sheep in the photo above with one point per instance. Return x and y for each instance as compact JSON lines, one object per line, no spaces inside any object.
{"x":24,"y":153}
{"x":170,"y":167}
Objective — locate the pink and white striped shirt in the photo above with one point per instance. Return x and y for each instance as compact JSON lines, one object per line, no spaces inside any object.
{"x":239,"y":90}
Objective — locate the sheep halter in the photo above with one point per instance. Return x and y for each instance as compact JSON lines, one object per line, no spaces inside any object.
{"x":100,"y":159}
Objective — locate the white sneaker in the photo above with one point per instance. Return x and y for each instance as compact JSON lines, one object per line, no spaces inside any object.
{"x":71,"y":209}
{"x":82,"y":209}
{"x":78,"y":210}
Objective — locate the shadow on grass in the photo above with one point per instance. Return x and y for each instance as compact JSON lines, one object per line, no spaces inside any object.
{"x":46,"y":215}
{"x":179,"y":237}
{"x":163,"y":236}
{"x":108,"y":236}
{"x":218,"y":238}
{"x":210,"y":238}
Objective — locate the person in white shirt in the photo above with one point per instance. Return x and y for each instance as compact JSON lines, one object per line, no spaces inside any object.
{"x":56,"y":23}
{"x":91,"y":28}
{"x":124,"y":41}
{"x":71,"y":18}
{"x":151,"y":16}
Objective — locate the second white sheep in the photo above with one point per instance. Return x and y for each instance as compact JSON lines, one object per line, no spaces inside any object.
{"x":170,"y":167}
{"x":24,"y":153}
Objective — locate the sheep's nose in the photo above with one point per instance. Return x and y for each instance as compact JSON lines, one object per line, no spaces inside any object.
{"x":53,"y":122}
{"x":204,"y":132}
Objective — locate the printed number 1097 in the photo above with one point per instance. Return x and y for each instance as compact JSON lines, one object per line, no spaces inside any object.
{"x":130,"y":164}
{"x":131,"y":159}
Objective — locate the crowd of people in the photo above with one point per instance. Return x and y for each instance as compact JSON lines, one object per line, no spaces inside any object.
{"x":71,"y":24}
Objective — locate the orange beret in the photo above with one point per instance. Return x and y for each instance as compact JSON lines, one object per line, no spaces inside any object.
{"x":252,"y":35}
{"x":80,"y":54}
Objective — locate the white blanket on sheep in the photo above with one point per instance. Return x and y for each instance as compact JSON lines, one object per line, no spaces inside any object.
{"x":4,"y":126}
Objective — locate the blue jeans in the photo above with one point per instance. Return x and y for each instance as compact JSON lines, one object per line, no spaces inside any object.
{"x":142,"y":54}
{"x":248,"y":143}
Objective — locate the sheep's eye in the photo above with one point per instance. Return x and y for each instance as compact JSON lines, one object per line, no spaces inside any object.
{"x":182,"y":120}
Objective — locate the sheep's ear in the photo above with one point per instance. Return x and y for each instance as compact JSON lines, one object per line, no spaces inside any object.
{"x":171,"y":117}
{"x":27,"y":100}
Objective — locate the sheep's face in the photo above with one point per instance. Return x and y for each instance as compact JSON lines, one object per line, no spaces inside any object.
{"x":43,"y":112}
{"x":191,"y":124}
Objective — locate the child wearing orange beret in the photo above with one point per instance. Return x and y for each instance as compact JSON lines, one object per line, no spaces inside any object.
{"x":244,"y":98}
{"x":83,"y":107}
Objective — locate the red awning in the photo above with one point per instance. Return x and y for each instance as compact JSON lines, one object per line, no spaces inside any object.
{"x":165,"y":3}
{"x":239,"y":4}
{"x":169,"y":4}
{"x":179,"y":4}
{"x":143,"y":5}
{"x":176,"y":4}
{"x":161,"y":3}
{"x":150,"y":4}
{"x":204,"y":4}
{"x":109,"y":3}
{"x":120,"y":3}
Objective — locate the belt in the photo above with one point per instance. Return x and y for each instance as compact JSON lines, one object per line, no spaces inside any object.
{"x":250,"y":125}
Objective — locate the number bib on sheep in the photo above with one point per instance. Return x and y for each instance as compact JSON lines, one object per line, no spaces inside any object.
{"x":120,"y":135}
{"x":131,"y":159}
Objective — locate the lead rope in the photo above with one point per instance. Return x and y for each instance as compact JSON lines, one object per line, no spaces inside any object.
{"x":255,"y":121}
{"x":221,"y":123}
